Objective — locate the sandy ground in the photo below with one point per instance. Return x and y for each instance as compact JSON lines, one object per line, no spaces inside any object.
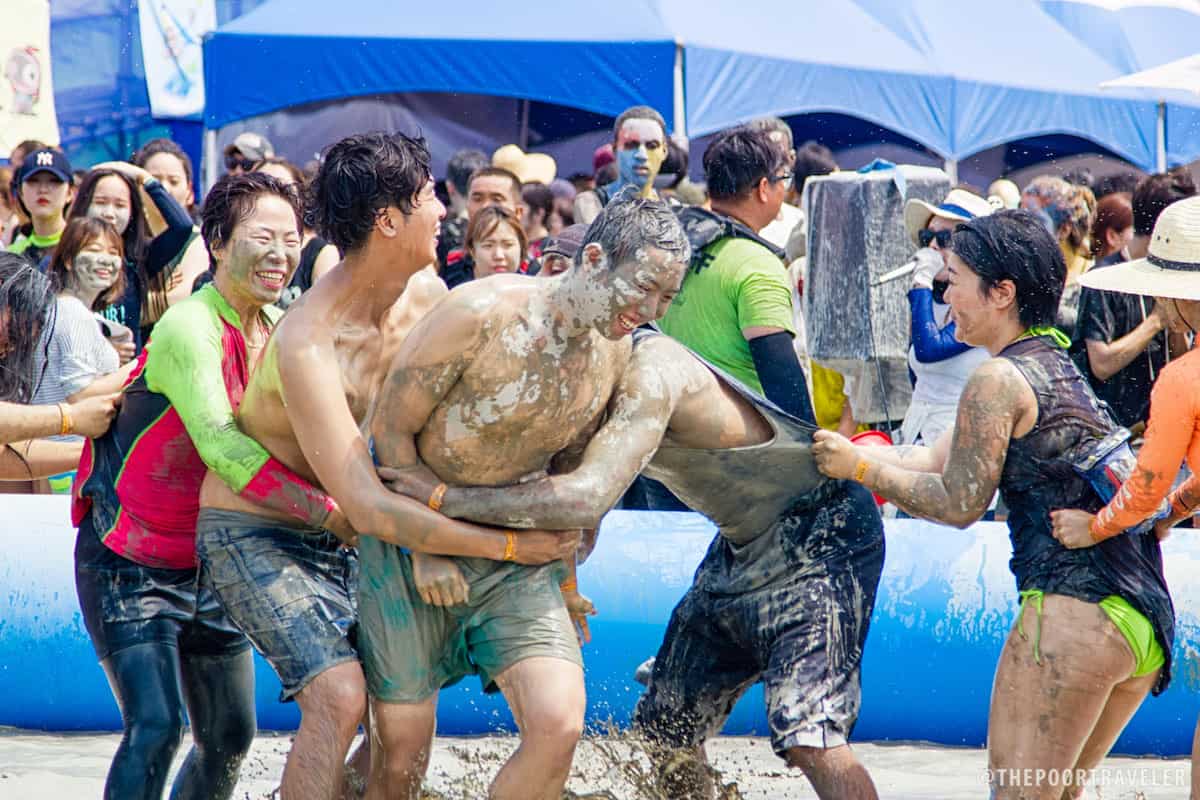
{"x":38,"y":765}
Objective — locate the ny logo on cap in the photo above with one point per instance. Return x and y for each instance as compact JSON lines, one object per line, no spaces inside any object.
{"x":45,"y":159}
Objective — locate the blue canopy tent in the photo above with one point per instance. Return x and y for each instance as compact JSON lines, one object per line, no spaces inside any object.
{"x":1016,"y":73}
{"x":1135,"y":36}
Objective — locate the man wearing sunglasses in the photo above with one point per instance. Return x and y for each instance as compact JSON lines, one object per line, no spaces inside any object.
{"x":940,"y":364}
{"x":245,"y":151}
{"x":640,"y":144}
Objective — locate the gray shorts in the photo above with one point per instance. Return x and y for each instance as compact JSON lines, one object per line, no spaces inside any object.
{"x":801,"y":634}
{"x":291,"y":590}
{"x":411,"y":649}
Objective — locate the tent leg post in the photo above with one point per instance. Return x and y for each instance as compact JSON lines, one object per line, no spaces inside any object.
{"x":210,"y":159}
{"x":1160,"y":139}
{"x":679,"y":106}
{"x":951,"y":168}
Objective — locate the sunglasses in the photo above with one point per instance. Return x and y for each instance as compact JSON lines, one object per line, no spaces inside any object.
{"x":785,"y":179}
{"x":233,"y":162}
{"x":925,"y":237}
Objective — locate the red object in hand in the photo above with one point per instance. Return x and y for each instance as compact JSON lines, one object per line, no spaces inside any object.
{"x":873,"y":439}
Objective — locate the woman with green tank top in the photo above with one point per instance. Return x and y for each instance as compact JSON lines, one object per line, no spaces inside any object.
{"x":1096,"y":625}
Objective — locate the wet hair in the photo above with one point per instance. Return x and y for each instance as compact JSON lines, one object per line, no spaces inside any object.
{"x":27,"y":301}
{"x":1117,"y":182}
{"x":738,"y":159}
{"x":1154,"y":193}
{"x":486,"y":220}
{"x":1113,"y":213}
{"x":136,"y":237}
{"x":639,"y":112}
{"x":360,"y":176}
{"x":630,"y":223}
{"x":812,"y":158}
{"x":462,"y":166}
{"x":1015,"y":246}
{"x":498,"y":172}
{"x":78,"y":234}
{"x":676,"y":163}
{"x":158,"y":146}
{"x":539,"y":198}
{"x":232,"y":199}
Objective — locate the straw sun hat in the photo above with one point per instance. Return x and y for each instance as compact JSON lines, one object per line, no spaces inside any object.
{"x":959,"y":205}
{"x":1172,"y":267}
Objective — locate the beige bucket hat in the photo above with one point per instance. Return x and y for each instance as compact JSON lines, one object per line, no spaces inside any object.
{"x":1172,"y":267}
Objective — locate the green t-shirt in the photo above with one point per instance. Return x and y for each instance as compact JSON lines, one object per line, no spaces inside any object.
{"x":742,"y":286}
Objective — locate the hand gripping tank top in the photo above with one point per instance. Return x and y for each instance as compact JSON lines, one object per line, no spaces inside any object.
{"x":1039,"y":477}
{"x":744,"y":490}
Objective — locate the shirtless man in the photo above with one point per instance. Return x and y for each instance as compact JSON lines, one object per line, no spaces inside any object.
{"x":291,"y":589}
{"x":786,"y":590}
{"x":490,"y":386}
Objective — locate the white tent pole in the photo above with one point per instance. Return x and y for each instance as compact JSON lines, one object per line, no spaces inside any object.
{"x":523,"y":141}
{"x":1160,"y":139}
{"x":679,"y":108}
{"x":951,"y":167}
{"x":211,"y":168}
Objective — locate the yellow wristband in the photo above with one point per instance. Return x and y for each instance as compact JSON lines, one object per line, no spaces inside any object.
{"x":65,"y":418}
{"x":860,"y":471}
{"x":570,"y":585}
{"x":510,"y":546}
{"x":435,"y":499}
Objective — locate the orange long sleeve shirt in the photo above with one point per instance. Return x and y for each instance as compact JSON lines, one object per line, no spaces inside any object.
{"x":1172,"y":434}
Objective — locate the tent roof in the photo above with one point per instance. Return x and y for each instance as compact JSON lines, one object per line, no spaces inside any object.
{"x":281,"y":54}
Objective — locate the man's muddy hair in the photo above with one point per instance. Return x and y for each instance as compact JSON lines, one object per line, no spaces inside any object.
{"x":630,"y":223}
{"x":360,"y":176}
{"x":232,"y":199}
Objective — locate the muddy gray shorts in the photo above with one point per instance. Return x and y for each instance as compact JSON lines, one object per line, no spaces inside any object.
{"x":802,"y":634}
{"x":411,"y":649}
{"x":291,"y":589}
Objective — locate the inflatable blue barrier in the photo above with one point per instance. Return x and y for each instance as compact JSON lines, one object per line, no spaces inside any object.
{"x":944,"y":607}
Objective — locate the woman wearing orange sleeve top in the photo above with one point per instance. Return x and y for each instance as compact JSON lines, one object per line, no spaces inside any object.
{"x":1171,"y":272}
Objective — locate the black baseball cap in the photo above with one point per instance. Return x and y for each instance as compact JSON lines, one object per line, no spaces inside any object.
{"x":45,"y":160}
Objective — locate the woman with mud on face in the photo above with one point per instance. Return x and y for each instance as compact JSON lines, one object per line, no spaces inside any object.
{"x":1096,"y":625}
{"x":159,"y":632}
{"x":27,"y":322}
{"x":1170,"y":272}
{"x":118,"y":192}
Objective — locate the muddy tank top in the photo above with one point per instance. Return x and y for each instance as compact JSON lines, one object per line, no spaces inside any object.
{"x":1038,"y":478}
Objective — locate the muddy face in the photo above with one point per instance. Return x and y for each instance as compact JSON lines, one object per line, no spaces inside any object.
{"x":95,"y":267}
{"x":263,"y":251}
{"x":616,"y":301}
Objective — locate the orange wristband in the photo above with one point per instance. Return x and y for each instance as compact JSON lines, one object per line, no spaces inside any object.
{"x":510,"y":546}
{"x":569,"y":585}
{"x":435,"y":499}
{"x":66,"y":423}
{"x":860,"y":471}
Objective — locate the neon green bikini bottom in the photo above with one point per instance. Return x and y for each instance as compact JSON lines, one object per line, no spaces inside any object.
{"x":1133,"y":625}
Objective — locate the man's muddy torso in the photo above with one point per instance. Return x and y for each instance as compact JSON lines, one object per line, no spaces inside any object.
{"x":362,"y":357}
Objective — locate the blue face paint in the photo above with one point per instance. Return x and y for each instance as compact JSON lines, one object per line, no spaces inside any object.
{"x":627,"y":161}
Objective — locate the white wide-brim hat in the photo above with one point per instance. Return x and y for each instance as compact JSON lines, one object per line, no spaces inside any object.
{"x":1172,"y":266}
{"x":959,"y":205}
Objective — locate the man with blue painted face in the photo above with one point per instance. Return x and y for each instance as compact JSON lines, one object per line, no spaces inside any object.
{"x":640,"y":142}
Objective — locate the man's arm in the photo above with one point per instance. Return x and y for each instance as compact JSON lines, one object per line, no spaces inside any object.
{"x":90,"y":417}
{"x":995,"y":397}
{"x":1106,"y":359}
{"x":640,"y":412}
{"x":332,"y":444}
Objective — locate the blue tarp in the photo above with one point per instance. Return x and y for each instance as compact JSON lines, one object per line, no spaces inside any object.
{"x":1137,"y":37}
{"x":290,"y":52}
